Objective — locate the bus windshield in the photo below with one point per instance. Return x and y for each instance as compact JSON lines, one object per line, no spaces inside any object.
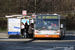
{"x":47,"y":24}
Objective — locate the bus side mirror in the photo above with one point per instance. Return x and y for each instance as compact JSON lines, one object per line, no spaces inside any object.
{"x":61,"y":26}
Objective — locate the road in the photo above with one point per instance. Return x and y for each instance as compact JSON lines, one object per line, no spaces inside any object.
{"x":67,"y":43}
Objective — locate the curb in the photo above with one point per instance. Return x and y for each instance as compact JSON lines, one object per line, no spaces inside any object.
{"x":26,"y":40}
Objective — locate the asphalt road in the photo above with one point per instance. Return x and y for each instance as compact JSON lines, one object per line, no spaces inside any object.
{"x":67,"y":43}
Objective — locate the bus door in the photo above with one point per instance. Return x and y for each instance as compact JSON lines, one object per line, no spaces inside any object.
{"x":31,"y":22}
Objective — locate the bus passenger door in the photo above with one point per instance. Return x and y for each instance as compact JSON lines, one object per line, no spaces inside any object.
{"x":31,"y":22}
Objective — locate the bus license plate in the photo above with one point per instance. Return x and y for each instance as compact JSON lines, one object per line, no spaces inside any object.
{"x":47,"y":35}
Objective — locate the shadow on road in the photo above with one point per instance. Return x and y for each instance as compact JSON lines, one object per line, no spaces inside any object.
{"x":15,"y":36}
{"x":46,"y":39}
{"x":70,"y":35}
{"x":29,"y":41}
{"x":69,"y":38}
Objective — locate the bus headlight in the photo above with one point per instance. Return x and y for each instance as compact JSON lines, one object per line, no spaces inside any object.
{"x":36,"y":31}
{"x":57,"y":32}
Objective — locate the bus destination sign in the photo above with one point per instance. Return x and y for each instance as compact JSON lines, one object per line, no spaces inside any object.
{"x":47,"y":17}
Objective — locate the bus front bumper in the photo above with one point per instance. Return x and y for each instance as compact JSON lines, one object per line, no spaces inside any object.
{"x":46,"y":36}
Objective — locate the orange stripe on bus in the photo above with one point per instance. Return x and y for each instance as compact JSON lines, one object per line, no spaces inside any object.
{"x":47,"y":36}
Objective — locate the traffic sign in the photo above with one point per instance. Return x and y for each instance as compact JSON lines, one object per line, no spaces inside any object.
{"x":24,"y":12}
{"x":33,"y":15}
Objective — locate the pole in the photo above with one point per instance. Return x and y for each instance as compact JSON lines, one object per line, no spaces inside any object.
{"x":35,"y":6}
{"x":26,"y":4}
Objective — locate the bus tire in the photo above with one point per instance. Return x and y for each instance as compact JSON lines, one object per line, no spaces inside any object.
{"x":64,"y":35}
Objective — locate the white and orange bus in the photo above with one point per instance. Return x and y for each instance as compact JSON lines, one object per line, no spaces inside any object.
{"x":49,"y":26}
